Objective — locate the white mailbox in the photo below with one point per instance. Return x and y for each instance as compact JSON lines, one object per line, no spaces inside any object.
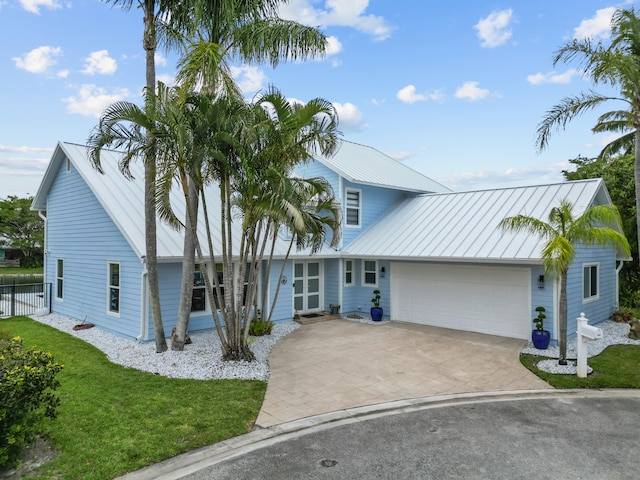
{"x":585,"y":333}
{"x":589,"y":332}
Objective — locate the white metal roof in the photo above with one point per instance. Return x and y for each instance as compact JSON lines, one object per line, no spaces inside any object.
{"x":464,"y":226}
{"x":366,"y":165}
{"x":123,"y":200}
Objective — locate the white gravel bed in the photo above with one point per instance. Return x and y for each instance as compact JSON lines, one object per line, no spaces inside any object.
{"x":613,"y":333}
{"x":200,"y":360}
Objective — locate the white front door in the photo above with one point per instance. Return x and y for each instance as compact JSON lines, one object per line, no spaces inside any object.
{"x":306,"y":288}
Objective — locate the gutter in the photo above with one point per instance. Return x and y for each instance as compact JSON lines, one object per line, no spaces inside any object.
{"x":618,"y":269}
{"x":144,"y":305}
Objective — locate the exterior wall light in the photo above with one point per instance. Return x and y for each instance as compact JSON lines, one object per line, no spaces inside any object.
{"x":541,"y":281}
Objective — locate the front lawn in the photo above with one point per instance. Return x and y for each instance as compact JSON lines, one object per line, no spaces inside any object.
{"x":21,"y":271}
{"x":114,"y":420}
{"x":618,"y":366}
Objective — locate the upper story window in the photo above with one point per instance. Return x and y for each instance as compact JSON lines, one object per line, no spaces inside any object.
{"x":59,"y":279}
{"x":348,"y":272}
{"x":353,"y":207}
{"x":114,"y":288}
{"x":590,"y":281}
{"x":370,"y":273}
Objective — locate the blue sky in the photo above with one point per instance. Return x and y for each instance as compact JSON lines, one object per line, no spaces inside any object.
{"x":454,"y":90}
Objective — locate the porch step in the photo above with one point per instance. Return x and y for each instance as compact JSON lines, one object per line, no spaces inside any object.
{"x":322,"y":317}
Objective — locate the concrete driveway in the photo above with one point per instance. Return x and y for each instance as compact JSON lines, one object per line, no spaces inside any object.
{"x":335,"y":365}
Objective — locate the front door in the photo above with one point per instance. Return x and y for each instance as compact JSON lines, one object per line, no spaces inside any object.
{"x":306,"y":287}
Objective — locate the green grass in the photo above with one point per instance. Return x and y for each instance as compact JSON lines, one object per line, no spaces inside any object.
{"x":113,"y":420}
{"x":618,"y":366}
{"x":21,"y":271}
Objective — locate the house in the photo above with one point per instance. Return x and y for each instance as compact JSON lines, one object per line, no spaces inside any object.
{"x":437,"y":256}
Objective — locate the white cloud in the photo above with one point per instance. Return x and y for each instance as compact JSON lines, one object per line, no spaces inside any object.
{"x":38,"y":60}
{"x":541,"y":78}
{"x":333,"y":46}
{"x":33,"y":6}
{"x":338,"y":13}
{"x":408,"y":95}
{"x":349,"y":115}
{"x":92,"y":100}
{"x":250,"y":79}
{"x":401,"y":155}
{"x":166,"y":78}
{"x":160,"y":60}
{"x":471,"y":91}
{"x":534,"y":175}
{"x":99,"y":63}
{"x":25,"y":149}
{"x":597,"y":27}
{"x":494,"y":30}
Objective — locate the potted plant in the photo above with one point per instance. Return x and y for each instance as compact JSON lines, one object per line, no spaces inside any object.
{"x":334,"y":309}
{"x":376,"y":310}
{"x":540,"y":337}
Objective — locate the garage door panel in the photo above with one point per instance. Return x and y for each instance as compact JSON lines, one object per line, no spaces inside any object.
{"x":494,"y":300}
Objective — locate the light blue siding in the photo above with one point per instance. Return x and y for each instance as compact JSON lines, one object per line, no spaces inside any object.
{"x":356,"y":299}
{"x":375,"y":201}
{"x":81,"y":233}
{"x":595,"y":310}
{"x":331,"y":283}
{"x":542,"y":297}
{"x":283,"y":310}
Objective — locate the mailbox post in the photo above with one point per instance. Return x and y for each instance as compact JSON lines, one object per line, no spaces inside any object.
{"x":585,"y":333}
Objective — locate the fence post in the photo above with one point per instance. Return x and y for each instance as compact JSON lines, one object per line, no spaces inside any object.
{"x":13,"y":300}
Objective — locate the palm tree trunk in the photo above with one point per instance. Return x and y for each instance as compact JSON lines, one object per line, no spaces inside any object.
{"x":562,"y":323}
{"x":188,"y":267}
{"x":149,"y":43}
{"x":636,"y":175}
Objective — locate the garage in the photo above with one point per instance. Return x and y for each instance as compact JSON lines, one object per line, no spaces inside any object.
{"x":485,"y":299}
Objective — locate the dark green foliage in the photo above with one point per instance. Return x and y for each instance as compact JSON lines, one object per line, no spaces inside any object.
{"x":27,"y":384}
{"x":260,"y":327}
{"x":23,"y":228}
{"x":617,"y":173}
{"x":539,"y":320}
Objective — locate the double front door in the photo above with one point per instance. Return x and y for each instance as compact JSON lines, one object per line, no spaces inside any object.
{"x":307,"y":287}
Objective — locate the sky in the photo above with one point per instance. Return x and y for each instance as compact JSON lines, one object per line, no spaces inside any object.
{"x":455,"y":90}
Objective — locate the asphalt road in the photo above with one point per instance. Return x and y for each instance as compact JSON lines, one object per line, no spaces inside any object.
{"x":561,"y":438}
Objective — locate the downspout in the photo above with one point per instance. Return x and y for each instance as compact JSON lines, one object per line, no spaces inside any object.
{"x":144,"y":305}
{"x":45,"y":250}
{"x":618,"y":269}
{"x":340,"y":282}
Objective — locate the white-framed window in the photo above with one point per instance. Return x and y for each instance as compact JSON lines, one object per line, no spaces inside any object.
{"x":590,"y":281}
{"x":199,"y":295}
{"x":353,"y":204}
{"x":370,"y":273}
{"x":348,"y":272}
{"x":59,"y":279}
{"x":113,"y":289}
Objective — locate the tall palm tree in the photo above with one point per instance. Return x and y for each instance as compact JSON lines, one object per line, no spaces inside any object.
{"x":616,"y":65}
{"x":598,"y":225}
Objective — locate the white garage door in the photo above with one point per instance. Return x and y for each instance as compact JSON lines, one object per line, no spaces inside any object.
{"x":493,"y":300}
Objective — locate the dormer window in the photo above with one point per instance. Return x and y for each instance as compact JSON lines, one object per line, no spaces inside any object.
{"x":353,"y":207}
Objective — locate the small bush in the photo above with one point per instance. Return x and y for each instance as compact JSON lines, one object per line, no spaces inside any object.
{"x":27,"y":384}
{"x":260,"y":327}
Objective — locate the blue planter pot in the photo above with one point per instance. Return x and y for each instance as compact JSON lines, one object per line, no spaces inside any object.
{"x":540,"y":339}
{"x":376,"y":313}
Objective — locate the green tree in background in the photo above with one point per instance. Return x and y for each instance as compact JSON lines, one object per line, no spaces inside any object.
{"x":23,"y":229}
{"x":617,"y":173}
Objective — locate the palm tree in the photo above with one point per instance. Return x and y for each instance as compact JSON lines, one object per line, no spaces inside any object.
{"x":616,"y":65}
{"x":598,"y":225}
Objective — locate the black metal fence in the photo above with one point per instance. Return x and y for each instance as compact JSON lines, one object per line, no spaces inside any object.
{"x":24,"y":299}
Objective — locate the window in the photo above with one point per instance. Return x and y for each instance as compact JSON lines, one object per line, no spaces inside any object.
{"x":68,"y":165}
{"x":370,"y":273}
{"x":348,"y":272}
{"x":59,"y":279}
{"x":220,"y":274}
{"x":114,"y":287}
{"x":199,"y":296}
{"x":353,"y":206}
{"x":590,"y":282}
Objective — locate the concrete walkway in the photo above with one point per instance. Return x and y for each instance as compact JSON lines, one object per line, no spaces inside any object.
{"x":337,"y":365}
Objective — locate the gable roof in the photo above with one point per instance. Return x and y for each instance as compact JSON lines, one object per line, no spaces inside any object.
{"x":464,"y":226}
{"x":366,"y":165}
{"x":123,"y":200}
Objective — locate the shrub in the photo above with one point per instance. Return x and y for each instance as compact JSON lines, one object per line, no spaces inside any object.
{"x":259,"y":327}
{"x":27,"y":384}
